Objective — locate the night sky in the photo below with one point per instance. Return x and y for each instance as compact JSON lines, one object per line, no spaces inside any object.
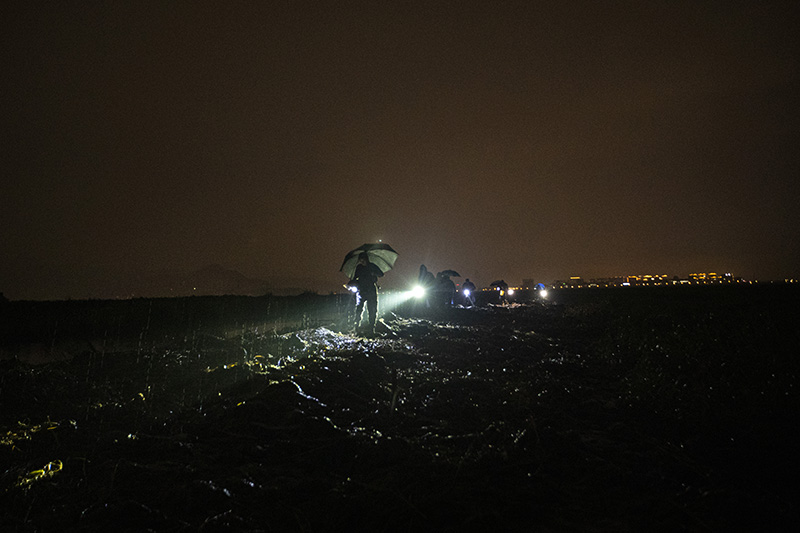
{"x":508,"y":140}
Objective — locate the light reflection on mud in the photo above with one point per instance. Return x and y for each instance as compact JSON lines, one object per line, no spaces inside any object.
{"x":257,"y":426}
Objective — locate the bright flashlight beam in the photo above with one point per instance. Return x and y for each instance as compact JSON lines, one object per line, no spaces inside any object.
{"x":391,"y":300}
{"x":543,"y":293}
{"x":417,"y":292}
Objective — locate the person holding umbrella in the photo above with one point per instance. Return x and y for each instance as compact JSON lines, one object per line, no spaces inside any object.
{"x":365,"y":281}
{"x":364,"y":266}
{"x":447,"y":288}
{"x":501,"y":286}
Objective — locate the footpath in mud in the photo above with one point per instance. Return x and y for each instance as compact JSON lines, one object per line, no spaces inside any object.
{"x":600,"y":414}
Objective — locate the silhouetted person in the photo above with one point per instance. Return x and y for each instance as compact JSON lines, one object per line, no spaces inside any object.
{"x":446,"y":288}
{"x":427,"y":282}
{"x":503,"y":288}
{"x":364,"y":280}
{"x":468,"y":291}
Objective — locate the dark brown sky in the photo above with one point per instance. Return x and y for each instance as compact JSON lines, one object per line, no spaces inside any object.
{"x":501,"y":139}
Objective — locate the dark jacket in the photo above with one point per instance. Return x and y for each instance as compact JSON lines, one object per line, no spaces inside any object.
{"x":365,"y":277}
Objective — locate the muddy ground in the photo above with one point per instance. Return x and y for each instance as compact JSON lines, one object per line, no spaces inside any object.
{"x":665,"y":410}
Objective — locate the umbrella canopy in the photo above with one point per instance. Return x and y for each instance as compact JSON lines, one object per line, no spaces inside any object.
{"x":498,"y":283}
{"x":382,"y":255}
{"x":450,"y":274}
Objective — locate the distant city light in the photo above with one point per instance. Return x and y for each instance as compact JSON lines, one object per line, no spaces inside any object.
{"x":650,"y":280}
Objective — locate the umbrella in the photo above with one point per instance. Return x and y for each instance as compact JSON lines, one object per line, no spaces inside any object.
{"x":382,"y":255}
{"x":450,"y":274}
{"x":498,"y":283}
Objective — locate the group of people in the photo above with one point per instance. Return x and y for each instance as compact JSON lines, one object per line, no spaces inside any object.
{"x":440,"y":290}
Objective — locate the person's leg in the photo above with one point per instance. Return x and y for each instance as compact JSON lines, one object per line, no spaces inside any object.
{"x":359,"y":309}
{"x":372,"y":310}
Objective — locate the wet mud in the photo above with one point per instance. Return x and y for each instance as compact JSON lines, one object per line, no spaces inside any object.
{"x":598,"y":412}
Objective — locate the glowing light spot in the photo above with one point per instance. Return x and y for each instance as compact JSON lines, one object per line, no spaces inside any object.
{"x":418,"y":292}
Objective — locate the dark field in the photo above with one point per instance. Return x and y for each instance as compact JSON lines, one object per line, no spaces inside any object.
{"x":598,"y":410}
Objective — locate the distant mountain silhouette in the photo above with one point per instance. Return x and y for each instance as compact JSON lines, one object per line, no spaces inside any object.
{"x":211,"y":280}
{"x":214,"y":280}
{"x":98,"y":283}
